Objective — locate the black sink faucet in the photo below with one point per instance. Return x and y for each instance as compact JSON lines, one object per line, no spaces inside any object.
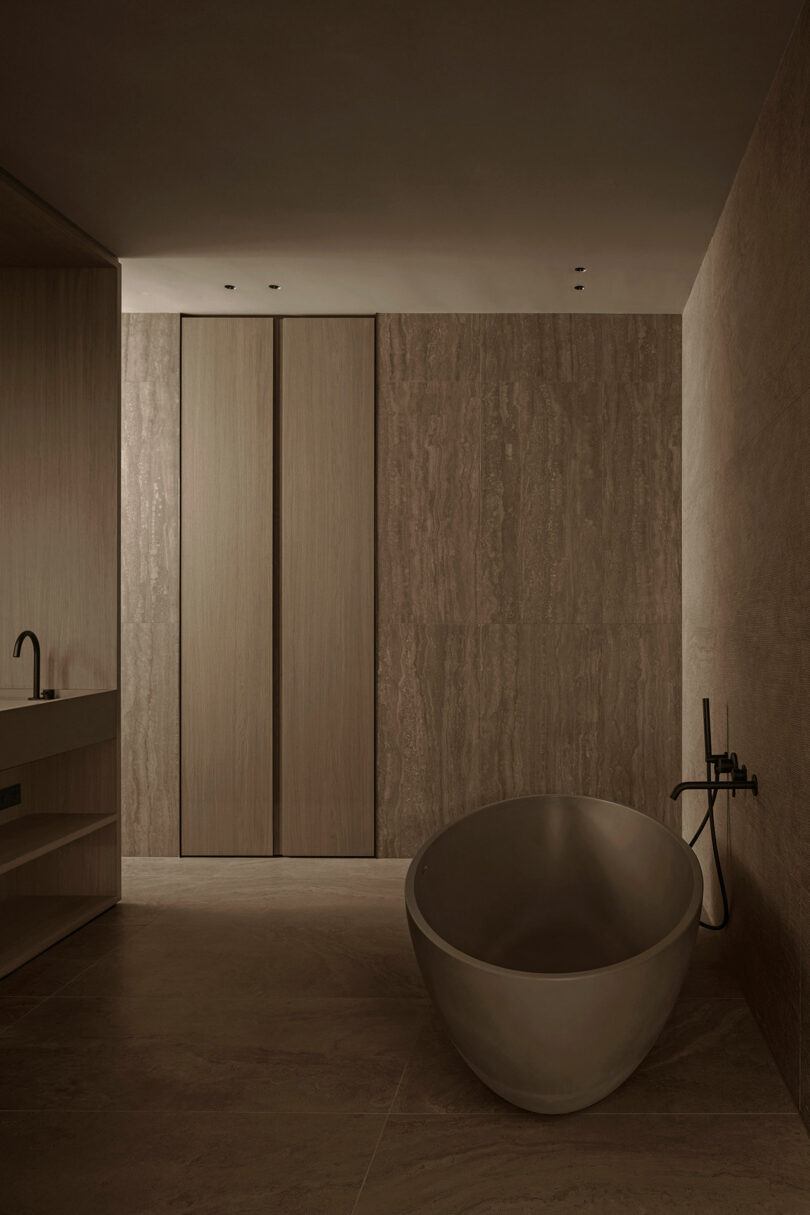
{"x":16,"y":654}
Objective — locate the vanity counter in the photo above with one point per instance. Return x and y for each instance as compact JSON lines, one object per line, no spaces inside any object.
{"x":34,"y":729}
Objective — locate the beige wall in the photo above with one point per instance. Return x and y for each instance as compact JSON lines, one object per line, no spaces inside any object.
{"x":746,"y":543}
{"x":528,"y":558}
{"x":150,"y":610}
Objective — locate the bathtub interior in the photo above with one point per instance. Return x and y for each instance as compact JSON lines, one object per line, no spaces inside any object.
{"x":554,"y":884}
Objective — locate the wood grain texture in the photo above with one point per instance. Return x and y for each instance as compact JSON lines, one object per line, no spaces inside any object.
{"x":746,"y":536}
{"x":59,"y":444}
{"x":150,"y":585}
{"x":87,"y":867}
{"x":33,"y":835}
{"x":326,"y":587}
{"x":573,"y":543}
{"x":227,"y":586}
{"x":33,"y":234}
{"x":59,"y":471}
{"x":74,"y":783}
{"x":35,"y":731}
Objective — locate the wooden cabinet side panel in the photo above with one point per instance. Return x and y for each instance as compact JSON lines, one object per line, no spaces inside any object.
{"x":227,"y":586}
{"x":326,"y":592}
{"x":60,"y":381}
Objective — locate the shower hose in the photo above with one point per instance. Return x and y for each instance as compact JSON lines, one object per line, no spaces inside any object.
{"x":708,"y":817}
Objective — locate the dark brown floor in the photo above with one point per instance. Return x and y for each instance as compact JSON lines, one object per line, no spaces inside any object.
{"x":245,"y":1037}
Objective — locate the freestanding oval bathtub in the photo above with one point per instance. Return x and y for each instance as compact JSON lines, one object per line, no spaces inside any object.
{"x":553,"y":934}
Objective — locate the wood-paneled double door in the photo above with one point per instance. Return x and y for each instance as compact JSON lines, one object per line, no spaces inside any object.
{"x":277,"y":586}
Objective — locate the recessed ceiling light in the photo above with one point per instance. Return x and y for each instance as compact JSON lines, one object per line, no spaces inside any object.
{"x":579,"y":287}
{"x":581,"y":269}
{"x":230,"y":287}
{"x":274,"y":286}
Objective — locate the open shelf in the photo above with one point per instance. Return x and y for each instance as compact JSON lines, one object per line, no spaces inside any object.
{"x":24,"y":839}
{"x":30,"y":923}
{"x":60,"y":376}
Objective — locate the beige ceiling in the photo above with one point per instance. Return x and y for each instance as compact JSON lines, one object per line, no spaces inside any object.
{"x":428,"y":155}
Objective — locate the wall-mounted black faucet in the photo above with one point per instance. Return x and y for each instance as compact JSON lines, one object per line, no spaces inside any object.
{"x":738,"y":781}
{"x":48,"y":694}
{"x":723,"y":763}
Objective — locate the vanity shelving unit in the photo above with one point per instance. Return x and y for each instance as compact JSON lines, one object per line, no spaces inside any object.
{"x":35,"y":835}
{"x":59,"y":849}
{"x":60,"y":323}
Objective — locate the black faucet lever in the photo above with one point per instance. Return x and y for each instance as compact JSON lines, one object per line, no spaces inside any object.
{"x":724,"y":764}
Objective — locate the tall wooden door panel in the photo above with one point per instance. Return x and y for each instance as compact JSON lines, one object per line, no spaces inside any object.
{"x":326,"y":591}
{"x":226,"y":567}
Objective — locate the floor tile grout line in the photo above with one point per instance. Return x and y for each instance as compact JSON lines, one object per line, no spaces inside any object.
{"x":379,"y":1139}
{"x":51,"y":994}
{"x":36,"y":1004}
{"x":359,"y":1194}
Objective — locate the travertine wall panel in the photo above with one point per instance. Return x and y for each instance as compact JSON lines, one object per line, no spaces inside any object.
{"x":150,"y":603}
{"x":746,"y":539}
{"x":528,"y":564}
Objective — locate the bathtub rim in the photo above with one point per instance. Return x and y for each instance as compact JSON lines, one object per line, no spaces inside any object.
{"x":564,"y":976}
